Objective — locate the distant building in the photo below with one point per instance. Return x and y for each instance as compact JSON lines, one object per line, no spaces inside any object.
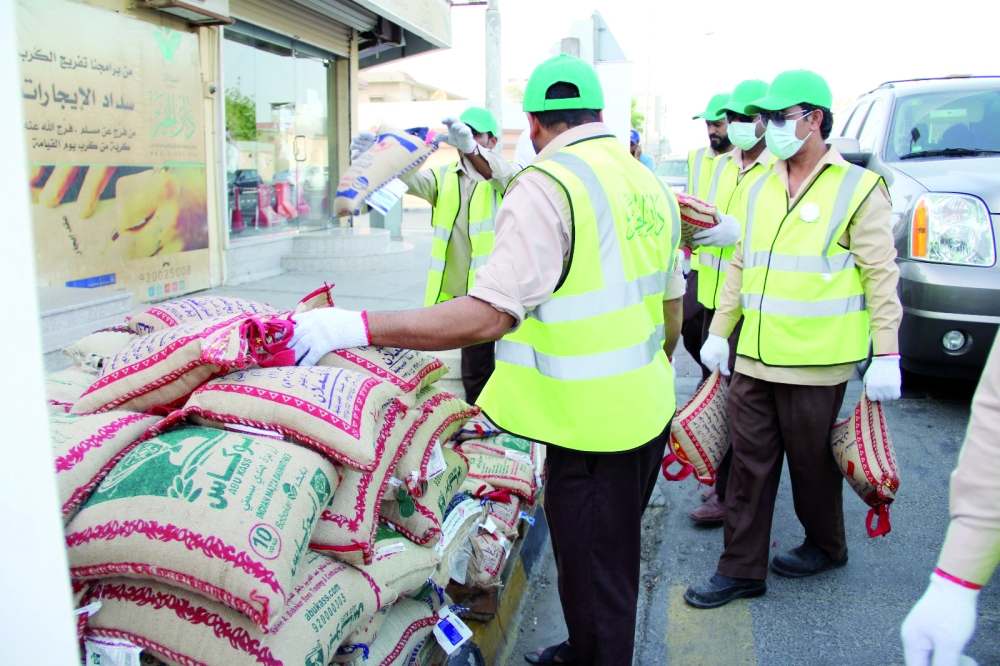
{"x":399,"y":87}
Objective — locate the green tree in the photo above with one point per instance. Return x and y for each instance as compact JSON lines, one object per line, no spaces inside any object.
{"x":637,"y":117}
{"x":241,"y":115}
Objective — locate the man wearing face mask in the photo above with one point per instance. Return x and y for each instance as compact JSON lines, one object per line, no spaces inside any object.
{"x":814,"y":276}
{"x":732,"y":174}
{"x":465,"y":196}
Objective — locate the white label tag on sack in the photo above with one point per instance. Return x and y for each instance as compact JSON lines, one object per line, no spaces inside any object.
{"x":387,"y":196}
{"x":394,"y":482}
{"x":451,"y":633}
{"x":111,"y":652}
{"x":519,"y":457}
{"x":250,"y":430}
{"x":386,"y":551}
{"x":455,"y":520}
{"x":88,"y":610}
{"x":506,"y":545}
{"x":489,"y":525}
{"x":436,"y":465}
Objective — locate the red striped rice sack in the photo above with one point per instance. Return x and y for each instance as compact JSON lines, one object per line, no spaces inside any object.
{"x":64,"y":388}
{"x":347,"y":528}
{"x":86,"y":448}
{"x":864,"y":451}
{"x":328,"y":601}
{"x":699,"y":434}
{"x":505,"y":515}
{"x":510,"y":446}
{"x":399,"y":566}
{"x":403,"y":633}
{"x":420,"y":518}
{"x":192,"y":310}
{"x":163,"y":368}
{"x":461,"y":523}
{"x":696,"y":216}
{"x":320,"y":298}
{"x":335,"y":412}
{"x":439,"y":416}
{"x":408,"y":370}
{"x":478,"y":427}
{"x":94,"y":351}
{"x":222,"y":514}
{"x":489,"y":552}
{"x":488,"y":474}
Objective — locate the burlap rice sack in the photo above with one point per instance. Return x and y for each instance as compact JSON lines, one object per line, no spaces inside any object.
{"x":333,"y":411}
{"x":408,"y":370}
{"x":399,"y":566}
{"x":395,"y":152}
{"x":420,"y":518}
{"x":320,"y":298}
{"x":64,"y":388}
{"x":489,"y":552}
{"x":439,"y":415}
{"x":696,"y":216}
{"x":359,"y":643}
{"x":478,"y":427}
{"x":327,"y":601}
{"x":163,"y":368}
{"x":505,"y":515}
{"x":347,"y":527}
{"x":223,"y":514}
{"x":191,"y":310}
{"x":699,"y":434}
{"x":510,"y":446}
{"x":501,"y":473}
{"x":95,"y":350}
{"x":86,"y":448}
{"x":407,"y":625}
{"x":863,"y":449}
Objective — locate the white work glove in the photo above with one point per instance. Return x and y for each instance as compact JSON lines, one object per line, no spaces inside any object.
{"x":724,"y":234}
{"x":362,"y":142}
{"x":460,"y":136}
{"x":940,"y":624}
{"x":715,"y":354}
{"x":883,"y":380}
{"x":318,"y":332}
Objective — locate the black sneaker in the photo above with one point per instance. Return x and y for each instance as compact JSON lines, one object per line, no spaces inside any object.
{"x":806,"y":560}
{"x":719,"y":590}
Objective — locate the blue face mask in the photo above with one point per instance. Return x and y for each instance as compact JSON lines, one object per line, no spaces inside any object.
{"x":781,"y":141}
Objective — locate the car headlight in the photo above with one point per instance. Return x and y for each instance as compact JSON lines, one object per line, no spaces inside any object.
{"x":951,"y":229}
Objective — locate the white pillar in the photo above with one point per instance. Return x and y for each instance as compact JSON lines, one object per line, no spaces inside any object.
{"x":494,"y":89}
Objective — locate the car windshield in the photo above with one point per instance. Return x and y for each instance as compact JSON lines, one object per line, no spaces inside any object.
{"x":955,"y":122}
{"x":672,"y":168}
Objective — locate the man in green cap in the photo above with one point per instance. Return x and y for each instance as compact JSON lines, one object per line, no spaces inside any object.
{"x":732,"y":173}
{"x":465,"y":196}
{"x":583,"y":292}
{"x":814,"y":278}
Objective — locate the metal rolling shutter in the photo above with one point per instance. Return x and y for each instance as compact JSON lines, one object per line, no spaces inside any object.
{"x":302,"y":22}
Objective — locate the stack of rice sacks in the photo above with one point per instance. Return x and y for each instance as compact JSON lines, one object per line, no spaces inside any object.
{"x":223,"y":506}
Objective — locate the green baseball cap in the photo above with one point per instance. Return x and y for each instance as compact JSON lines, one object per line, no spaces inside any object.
{"x":745,"y":92}
{"x":563,"y":69}
{"x":793,"y":87}
{"x":480,"y":120}
{"x":711,"y":111}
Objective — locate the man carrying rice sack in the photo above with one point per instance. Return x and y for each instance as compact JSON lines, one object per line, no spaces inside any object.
{"x":943,"y":621}
{"x":584,"y":295}
{"x":465,"y":196}
{"x":814,"y":276}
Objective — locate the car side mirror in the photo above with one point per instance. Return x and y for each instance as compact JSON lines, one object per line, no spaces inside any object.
{"x":860,"y":158}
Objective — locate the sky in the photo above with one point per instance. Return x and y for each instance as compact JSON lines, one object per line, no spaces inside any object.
{"x":686,"y":51}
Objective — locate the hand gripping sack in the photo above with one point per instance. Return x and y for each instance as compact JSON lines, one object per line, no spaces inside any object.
{"x":863,"y":450}
{"x":328,"y":601}
{"x":64,"y":388}
{"x":420,"y":518}
{"x":194,"y":309}
{"x":165,"y":367}
{"x":408,"y":370}
{"x":699,"y":434}
{"x":86,"y":448}
{"x":94,"y":351}
{"x":696,"y":216}
{"x":225,"y":515}
{"x":395,"y":152}
{"x":335,"y":412}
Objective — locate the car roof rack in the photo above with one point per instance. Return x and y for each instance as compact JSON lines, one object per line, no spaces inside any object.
{"x":892,"y":84}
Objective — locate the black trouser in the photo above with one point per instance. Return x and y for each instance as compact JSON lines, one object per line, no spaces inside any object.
{"x":478,"y":362}
{"x":693,"y":322}
{"x":594,"y":505}
{"x":722,"y":474}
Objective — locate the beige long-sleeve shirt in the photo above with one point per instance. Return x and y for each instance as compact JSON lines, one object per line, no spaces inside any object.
{"x":971,"y":550}
{"x":458,"y":259}
{"x":534,"y":238}
{"x":869,"y":238}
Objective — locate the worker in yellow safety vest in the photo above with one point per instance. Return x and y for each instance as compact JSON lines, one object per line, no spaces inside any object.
{"x":583,"y":292}
{"x":814,"y":277}
{"x":465,"y":196}
{"x":732,"y":174}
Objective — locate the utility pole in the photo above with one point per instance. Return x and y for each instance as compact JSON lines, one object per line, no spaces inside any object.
{"x":494,"y":90}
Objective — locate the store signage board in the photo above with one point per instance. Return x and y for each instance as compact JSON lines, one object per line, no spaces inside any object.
{"x":430,"y":19}
{"x":114,"y":130}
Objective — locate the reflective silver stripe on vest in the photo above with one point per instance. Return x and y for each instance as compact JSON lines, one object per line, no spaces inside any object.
{"x":715,"y":263}
{"x":799,"y":264}
{"x":437,"y":264}
{"x":716,"y":176}
{"x":478,"y":262}
{"x":699,"y":157}
{"x":833,"y":307}
{"x":477,"y":228}
{"x":577,"y":368}
{"x":602,"y":301}
{"x":751,"y":206}
{"x":442,"y":233}
{"x":842,"y":202}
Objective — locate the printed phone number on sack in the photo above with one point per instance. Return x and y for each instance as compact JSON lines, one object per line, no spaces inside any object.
{"x":165,"y":274}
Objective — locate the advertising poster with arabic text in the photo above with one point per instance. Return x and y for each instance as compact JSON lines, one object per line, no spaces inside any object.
{"x":116,"y":150}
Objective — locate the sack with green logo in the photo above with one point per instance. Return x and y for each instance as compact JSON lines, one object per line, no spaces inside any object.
{"x":328,"y":601}
{"x":406,"y":369}
{"x":333,"y":411}
{"x":193,"y":309}
{"x":510,"y":446}
{"x":223,"y":514}
{"x":92,"y":352}
{"x":86,"y":448}
{"x":516,"y":476}
{"x":64,"y":388}
{"x":420,"y":518}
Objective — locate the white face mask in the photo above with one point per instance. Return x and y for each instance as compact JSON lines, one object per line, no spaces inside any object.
{"x":781,"y":141}
{"x":743,"y":135}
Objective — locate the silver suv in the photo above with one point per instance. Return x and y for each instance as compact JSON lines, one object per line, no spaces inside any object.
{"x":936,"y":142}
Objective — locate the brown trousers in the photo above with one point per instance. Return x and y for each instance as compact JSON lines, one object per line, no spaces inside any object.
{"x":722,"y":474}
{"x":768,"y":421}
{"x":478,"y":363}
{"x":594,"y":505}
